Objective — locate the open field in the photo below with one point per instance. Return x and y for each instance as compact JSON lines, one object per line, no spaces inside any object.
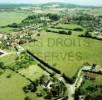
{"x":68,"y":26}
{"x":11,"y":88}
{"x":16,"y":82}
{"x":67,"y":53}
{"x":9,"y":18}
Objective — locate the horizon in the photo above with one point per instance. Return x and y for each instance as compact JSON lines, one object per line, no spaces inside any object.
{"x":76,"y":2}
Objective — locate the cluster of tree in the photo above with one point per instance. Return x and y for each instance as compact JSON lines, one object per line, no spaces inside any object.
{"x":27,"y":98}
{"x":32,"y":19}
{"x":75,"y":29}
{"x":90,"y":97}
{"x":53,"y":17}
{"x":58,"y":88}
{"x":66,"y":32}
{"x":22,"y":61}
{"x":92,"y":92}
{"x":5,"y":43}
{"x":40,"y":18}
{"x":14,"y":25}
{"x":78,"y":29}
{"x":32,"y":87}
{"x":88,"y":21}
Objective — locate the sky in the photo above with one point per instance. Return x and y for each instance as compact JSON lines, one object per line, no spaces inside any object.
{"x":81,"y":2}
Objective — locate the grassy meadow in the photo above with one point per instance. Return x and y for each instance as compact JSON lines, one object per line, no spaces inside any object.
{"x":13,"y":87}
{"x":67,"y":52}
{"x":9,"y":18}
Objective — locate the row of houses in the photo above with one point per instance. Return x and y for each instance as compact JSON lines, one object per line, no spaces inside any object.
{"x":90,"y":72}
{"x":97,"y":35}
{"x":94,"y":68}
{"x":17,"y":38}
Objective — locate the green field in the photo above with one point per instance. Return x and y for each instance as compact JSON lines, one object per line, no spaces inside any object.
{"x":13,"y":87}
{"x":9,"y":18}
{"x":58,"y":53}
{"x":67,"y":53}
{"x":68,"y":26}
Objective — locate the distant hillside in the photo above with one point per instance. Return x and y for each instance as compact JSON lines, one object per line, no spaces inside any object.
{"x":66,"y":5}
{"x":13,"y":6}
{"x":59,"y":5}
{"x":46,"y":5}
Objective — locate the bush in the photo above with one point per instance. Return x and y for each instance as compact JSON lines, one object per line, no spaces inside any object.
{"x":27,"y":98}
{"x":30,"y":88}
{"x":9,"y":76}
{"x":78,"y":29}
{"x":2,"y":66}
{"x":14,"y":25}
{"x":39,"y":94}
{"x":69,"y":32}
{"x":88,"y":97}
{"x":65,"y":32}
{"x":87,"y":34}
